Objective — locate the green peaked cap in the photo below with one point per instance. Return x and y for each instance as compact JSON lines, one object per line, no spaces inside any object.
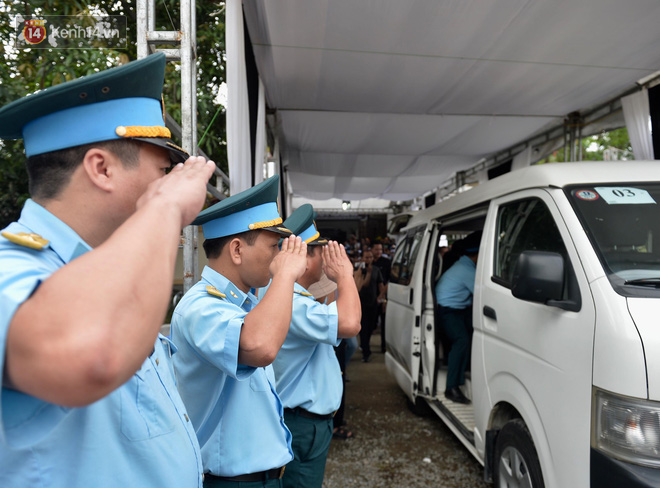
{"x":301,"y":223}
{"x":252,"y":209}
{"x":119,"y":103}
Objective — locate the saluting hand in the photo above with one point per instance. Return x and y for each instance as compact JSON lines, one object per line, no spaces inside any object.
{"x":184,"y":188}
{"x":336,"y":263}
{"x":292,"y":258}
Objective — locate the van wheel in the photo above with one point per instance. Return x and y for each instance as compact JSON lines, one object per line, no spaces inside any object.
{"x":516,"y":464}
{"x":419,"y":407}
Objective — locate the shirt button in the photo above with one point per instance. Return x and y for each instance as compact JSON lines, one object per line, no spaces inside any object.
{"x":156,"y":361}
{"x":186,"y":416}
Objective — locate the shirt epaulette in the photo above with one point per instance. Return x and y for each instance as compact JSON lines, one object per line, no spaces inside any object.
{"x":31,"y":240}
{"x":212,"y":290}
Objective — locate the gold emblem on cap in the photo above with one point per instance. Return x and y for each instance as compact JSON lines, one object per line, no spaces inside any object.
{"x":143,"y":131}
{"x":212,"y":290}
{"x":31,"y":240}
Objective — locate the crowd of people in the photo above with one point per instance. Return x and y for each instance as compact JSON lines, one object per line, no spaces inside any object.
{"x":251,"y":380}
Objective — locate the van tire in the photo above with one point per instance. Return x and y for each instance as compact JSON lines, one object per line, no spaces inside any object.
{"x":516,"y":463}
{"x":419,"y":407}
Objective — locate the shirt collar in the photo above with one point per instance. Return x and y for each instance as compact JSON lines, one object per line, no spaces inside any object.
{"x":301,"y":290}
{"x":222,"y":284}
{"x":62,"y":239}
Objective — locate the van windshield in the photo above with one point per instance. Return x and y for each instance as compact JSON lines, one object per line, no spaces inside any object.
{"x":623,"y":223}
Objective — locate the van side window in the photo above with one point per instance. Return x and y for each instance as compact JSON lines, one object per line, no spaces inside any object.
{"x":526,"y":225}
{"x":405,"y":257}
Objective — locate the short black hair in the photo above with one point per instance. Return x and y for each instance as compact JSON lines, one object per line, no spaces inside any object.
{"x":49,"y":173}
{"x":213,"y":247}
{"x":310,"y":249}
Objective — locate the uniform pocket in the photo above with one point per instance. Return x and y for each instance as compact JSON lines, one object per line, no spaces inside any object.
{"x":146,"y":410}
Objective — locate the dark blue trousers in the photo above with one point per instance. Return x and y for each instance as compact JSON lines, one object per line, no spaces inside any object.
{"x":457,"y":324}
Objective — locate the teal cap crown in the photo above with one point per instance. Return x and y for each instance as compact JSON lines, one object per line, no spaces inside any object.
{"x":253,"y":209}
{"x":119,"y":103}
{"x":301,"y":223}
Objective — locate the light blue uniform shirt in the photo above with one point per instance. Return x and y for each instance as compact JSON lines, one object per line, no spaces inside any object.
{"x":307,"y":372}
{"x":456,"y":286}
{"x":139,"y":435}
{"x":236,"y":412}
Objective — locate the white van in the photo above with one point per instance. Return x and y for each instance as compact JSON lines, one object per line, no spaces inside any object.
{"x":565,"y":360}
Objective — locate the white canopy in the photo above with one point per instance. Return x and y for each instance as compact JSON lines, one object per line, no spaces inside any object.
{"x":385,"y":98}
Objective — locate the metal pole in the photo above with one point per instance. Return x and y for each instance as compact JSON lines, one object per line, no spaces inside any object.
{"x":141,"y":17}
{"x":580,"y":142}
{"x":188,"y":127}
{"x":151,"y":20}
{"x":193,"y":94}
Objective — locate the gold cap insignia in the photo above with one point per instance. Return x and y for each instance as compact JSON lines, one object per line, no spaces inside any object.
{"x":143,"y":131}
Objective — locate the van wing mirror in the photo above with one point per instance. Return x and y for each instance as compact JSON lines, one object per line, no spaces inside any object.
{"x":538,"y":276}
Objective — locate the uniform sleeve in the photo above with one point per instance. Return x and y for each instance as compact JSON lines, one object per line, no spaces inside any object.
{"x":212,"y":327}
{"x":24,"y":419}
{"x":314,"y":321}
{"x":469,"y":280}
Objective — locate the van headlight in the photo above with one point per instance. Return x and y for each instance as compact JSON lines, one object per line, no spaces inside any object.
{"x":626,"y":428}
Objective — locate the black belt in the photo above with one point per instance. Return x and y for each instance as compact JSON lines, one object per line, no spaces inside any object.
{"x":271,"y":474}
{"x":310,"y":415}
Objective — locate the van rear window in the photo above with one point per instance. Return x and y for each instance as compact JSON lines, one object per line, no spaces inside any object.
{"x":405,"y":257}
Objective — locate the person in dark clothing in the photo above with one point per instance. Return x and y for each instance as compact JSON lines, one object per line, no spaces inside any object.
{"x":369,"y":282}
{"x":454,"y":292}
{"x":384,"y":264}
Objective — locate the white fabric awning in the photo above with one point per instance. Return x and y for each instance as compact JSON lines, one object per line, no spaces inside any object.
{"x":388,"y":99}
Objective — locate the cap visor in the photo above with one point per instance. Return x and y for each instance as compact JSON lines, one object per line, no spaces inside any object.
{"x":278,"y":229}
{"x":319,"y":241}
{"x":177,"y":154}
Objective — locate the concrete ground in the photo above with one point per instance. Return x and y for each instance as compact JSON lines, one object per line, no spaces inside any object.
{"x":392,"y":446}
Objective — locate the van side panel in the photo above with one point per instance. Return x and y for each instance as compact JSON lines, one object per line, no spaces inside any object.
{"x":618,"y":354}
{"x":402,"y":328}
{"x":535,"y":358}
{"x":398,"y":332}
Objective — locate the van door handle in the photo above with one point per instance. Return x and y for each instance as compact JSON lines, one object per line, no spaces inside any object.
{"x":411,"y":297}
{"x":490,"y":312}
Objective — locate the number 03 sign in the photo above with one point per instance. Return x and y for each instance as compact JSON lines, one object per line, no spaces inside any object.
{"x":619,"y":195}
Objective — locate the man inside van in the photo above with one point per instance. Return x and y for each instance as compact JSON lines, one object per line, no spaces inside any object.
{"x":454,"y":292}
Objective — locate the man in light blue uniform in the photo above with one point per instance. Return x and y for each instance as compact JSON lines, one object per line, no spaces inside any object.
{"x":454,"y":292}
{"x":88,"y":395}
{"x":306,"y":369}
{"x":228,"y":338}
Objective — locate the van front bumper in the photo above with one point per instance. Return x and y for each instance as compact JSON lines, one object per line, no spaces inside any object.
{"x":607,"y":472}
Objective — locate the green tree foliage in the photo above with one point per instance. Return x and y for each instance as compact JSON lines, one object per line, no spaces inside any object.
{"x":615,"y":144}
{"x":28,"y":70}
